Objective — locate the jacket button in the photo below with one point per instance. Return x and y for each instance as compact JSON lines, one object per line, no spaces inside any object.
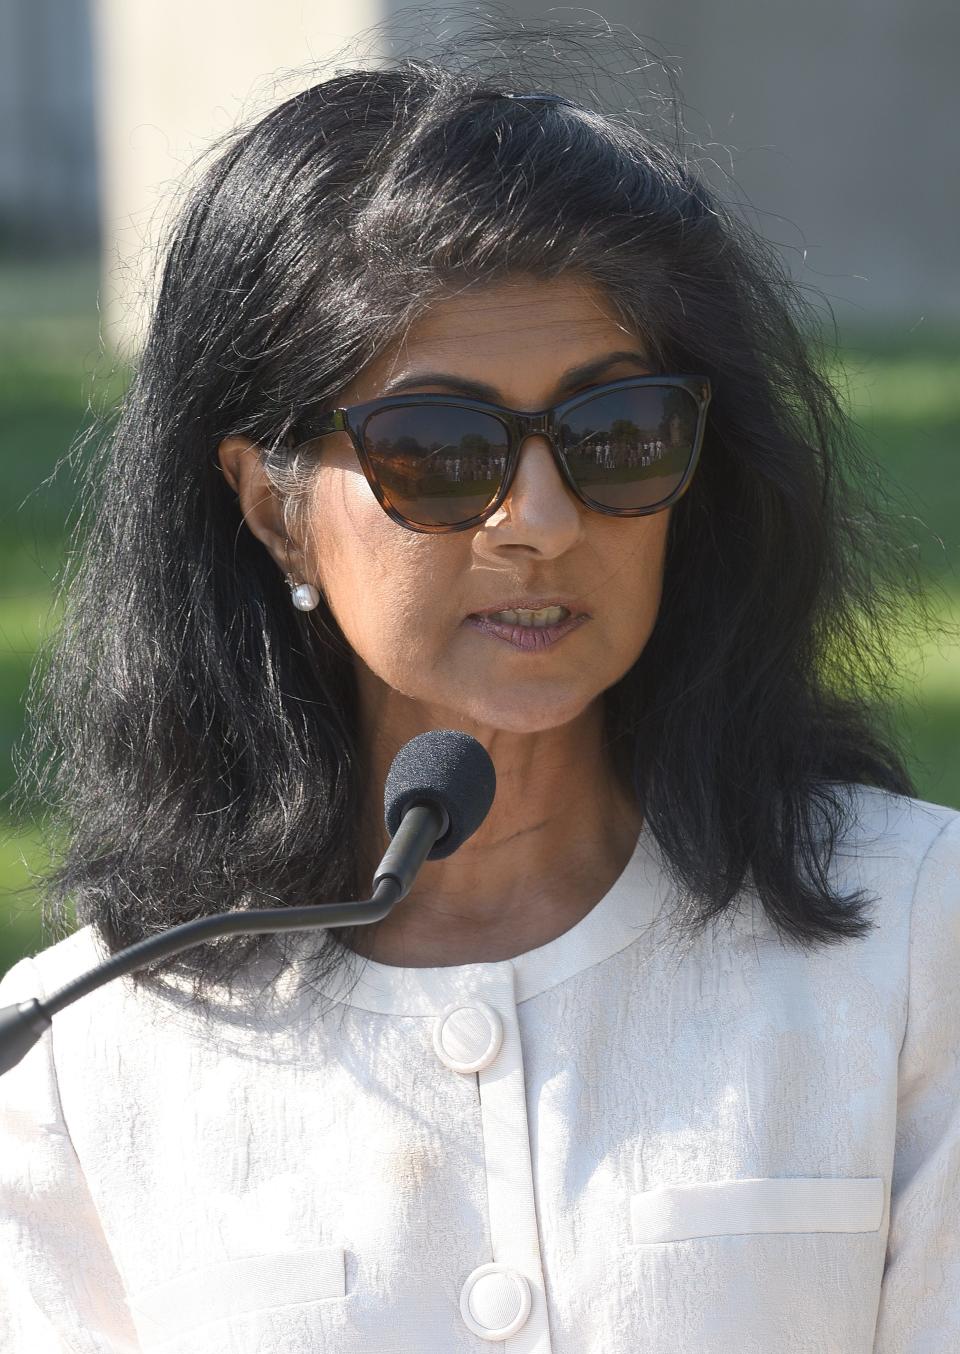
{"x":467,"y":1035}
{"x":495,"y":1301}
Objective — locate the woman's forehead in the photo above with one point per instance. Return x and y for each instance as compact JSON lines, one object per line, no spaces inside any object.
{"x":514,"y":305}
{"x":506,"y":333}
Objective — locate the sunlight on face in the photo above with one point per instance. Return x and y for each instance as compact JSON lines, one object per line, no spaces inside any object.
{"x":403,"y":599}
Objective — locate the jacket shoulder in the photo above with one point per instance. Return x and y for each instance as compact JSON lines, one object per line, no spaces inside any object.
{"x":878,"y":823}
{"x":57,"y":964}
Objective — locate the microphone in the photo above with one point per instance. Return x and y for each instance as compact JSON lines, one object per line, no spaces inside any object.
{"x":438,"y":791}
{"x":447,"y":768}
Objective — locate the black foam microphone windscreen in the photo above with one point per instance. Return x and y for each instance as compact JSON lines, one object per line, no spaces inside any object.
{"x":444,"y":767}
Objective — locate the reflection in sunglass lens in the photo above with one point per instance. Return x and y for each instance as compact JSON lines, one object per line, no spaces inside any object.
{"x":630,"y":448}
{"x":437,"y":465}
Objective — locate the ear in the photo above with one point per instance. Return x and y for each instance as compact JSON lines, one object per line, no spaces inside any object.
{"x":260,"y":504}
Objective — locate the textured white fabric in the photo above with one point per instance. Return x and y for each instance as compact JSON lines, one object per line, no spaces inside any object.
{"x":730,"y":1146}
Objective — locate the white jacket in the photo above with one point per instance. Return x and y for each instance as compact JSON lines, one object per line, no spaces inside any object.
{"x":612,"y":1144}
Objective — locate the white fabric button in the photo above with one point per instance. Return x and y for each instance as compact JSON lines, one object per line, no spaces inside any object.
{"x":467,"y":1035}
{"x":495,"y":1301}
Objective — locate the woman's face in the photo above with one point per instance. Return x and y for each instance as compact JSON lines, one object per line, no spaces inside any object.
{"x":404,"y":599}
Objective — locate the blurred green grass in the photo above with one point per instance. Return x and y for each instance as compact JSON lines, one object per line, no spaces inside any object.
{"x":903,"y":390}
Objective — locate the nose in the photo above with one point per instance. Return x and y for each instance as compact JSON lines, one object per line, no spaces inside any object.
{"x":539,"y":515}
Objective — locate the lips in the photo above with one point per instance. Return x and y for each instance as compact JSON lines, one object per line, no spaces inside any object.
{"x":533,"y":638}
{"x":572,"y":607}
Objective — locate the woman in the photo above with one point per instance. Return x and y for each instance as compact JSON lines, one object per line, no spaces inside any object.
{"x":335,"y":515}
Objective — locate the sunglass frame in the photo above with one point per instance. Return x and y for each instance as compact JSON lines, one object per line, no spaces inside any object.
{"x":353,"y":419}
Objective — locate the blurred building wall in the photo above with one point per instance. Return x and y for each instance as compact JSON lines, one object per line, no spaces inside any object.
{"x":48,"y":179}
{"x":842,"y":117}
{"x":173,"y":76}
{"x":838,"y":119}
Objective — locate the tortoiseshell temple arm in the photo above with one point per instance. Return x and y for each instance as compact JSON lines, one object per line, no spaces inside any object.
{"x":334,"y":422}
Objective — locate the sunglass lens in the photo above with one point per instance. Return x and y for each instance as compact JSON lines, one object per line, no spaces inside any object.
{"x":631,"y":448}
{"x":437,"y":466}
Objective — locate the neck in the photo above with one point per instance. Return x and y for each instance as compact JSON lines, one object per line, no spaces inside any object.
{"x":559,"y":833}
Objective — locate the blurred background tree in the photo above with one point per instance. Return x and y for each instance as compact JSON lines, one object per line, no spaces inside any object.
{"x":842,"y":128}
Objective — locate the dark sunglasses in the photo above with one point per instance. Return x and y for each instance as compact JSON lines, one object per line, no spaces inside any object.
{"x":439,"y":463}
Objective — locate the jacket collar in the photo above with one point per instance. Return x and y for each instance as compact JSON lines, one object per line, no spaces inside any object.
{"x":626,"y":912}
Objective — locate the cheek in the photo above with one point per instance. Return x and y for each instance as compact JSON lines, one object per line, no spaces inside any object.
{"x":382,"y":582}
{"x":628,"y":595}
{"x":654,"y":559}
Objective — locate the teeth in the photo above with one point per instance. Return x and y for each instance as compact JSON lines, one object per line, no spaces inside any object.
{"x":548,"y":615}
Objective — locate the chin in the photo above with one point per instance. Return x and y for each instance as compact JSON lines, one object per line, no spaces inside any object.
{"x":530,"y":715}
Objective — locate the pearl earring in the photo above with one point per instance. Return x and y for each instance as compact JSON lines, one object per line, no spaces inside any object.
{"x":304,"y":596}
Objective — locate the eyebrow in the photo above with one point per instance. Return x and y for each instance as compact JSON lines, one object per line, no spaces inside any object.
{"x":479,"y":390}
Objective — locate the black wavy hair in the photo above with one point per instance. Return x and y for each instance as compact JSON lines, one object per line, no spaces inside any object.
{"x":195,"y":737}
